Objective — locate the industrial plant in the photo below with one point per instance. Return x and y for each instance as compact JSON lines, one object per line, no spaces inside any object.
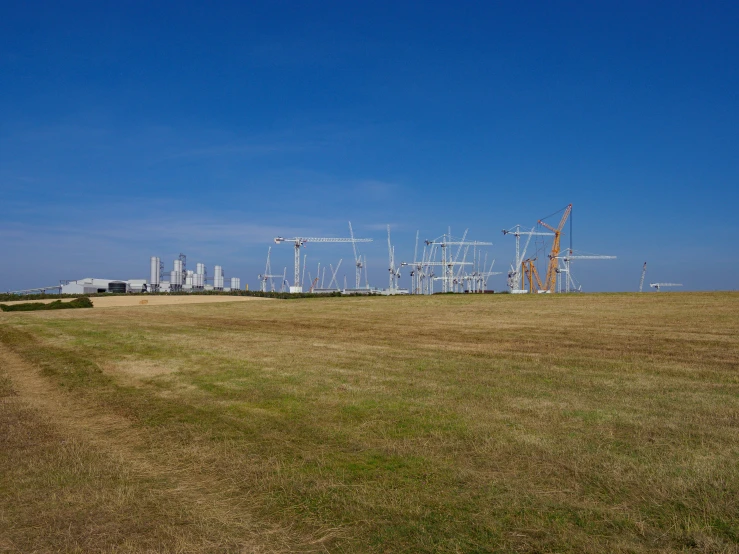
{"x":445,"y":264}
{"x":180,"y":279}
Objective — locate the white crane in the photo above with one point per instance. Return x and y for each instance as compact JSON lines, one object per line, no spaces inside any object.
{"x":357,"y":261}
{"x":267,"y":275}
{"x":566,"y":269}
{"x":515,"y":278}
{"x":416,"y":266}
{"x":305,"y":264}
{"x":477,"y":281}
{"x":394,"y":271}
{"x":301,"y":241}
{"x":487,"y":274}
{"x":658,"y":286}
{"x":448,"y":261}
{"x":333,"y":275}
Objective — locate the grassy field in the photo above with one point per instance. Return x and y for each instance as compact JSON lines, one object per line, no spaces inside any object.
{"x":570,"y":423}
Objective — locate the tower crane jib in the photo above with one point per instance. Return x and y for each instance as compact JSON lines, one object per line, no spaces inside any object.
{"x":302,"y":241}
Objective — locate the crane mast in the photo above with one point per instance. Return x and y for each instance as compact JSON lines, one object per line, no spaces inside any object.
{"x":515,"y":277}
{"x":267,"y":275}
{"x":448,"y":280}
{"x":643,"y":273}
{"x":393,"y":271}
{"x":357,"y":259}
{"x":301,"y":241}
{"x":570,"y":256}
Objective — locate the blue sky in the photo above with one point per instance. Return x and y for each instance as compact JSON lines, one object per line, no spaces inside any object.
{"x":132,"y":129}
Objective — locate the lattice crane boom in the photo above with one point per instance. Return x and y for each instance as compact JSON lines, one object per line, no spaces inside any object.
{"x":515,"y":277}
{"x":301,"y":241}
{"x":660,"y":285}
{"x":528,"y":269}
{"x":551,"y":278}
{"x":450,"y":261}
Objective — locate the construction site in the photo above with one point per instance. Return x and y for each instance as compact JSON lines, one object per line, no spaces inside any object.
{"x":542,"y":263}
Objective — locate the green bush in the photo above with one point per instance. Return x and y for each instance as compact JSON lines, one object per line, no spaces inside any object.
{"x":82,"y":302}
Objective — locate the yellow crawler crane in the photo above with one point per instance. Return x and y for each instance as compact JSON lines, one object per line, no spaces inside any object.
{"x":528,"y":269}
{"x":551,"y":279}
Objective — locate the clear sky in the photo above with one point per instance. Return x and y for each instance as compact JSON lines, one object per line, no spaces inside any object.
{"x":132,"y":129}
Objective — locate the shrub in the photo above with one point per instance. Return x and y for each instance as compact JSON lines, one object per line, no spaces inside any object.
{"x":82,"y":302}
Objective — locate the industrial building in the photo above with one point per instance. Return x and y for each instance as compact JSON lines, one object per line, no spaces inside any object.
{"x":180,"y":280}
{"x":183,"y":280}
{"x":91,"y":285}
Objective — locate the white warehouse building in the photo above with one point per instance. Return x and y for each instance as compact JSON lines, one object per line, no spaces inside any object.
{"x":92,"y":285}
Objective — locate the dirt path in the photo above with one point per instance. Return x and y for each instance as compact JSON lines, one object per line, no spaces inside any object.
{"x":193,"y":491}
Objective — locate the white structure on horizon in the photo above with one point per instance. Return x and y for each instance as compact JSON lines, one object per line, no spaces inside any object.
{"x":218,"y":278}
{"x":155,"y":275}
{"x":92,"y":285}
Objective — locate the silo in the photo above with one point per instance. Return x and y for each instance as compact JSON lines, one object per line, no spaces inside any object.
{"x":189,"y":280}
{"x":154,"y":276}
{"x":235,"y":283}
{"x":176,"y":275}
{"x":199,"y":277}
{"x":218,"y":277}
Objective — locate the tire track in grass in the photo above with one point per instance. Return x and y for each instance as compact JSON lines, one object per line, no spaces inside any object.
{"x":212,"y":521}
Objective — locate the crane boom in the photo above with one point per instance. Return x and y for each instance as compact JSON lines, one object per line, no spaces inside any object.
{"x":551,"y":278}
{"x":529,"y":271}
{"x":301,"y":241}
{"x":658,"y":286}
{"x":515,"y":277}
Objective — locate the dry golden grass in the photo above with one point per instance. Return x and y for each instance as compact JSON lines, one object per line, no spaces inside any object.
{"x":165,"y":300}
{"x":584,"y":423}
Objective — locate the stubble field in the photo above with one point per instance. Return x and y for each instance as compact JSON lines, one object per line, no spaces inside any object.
{"x":570,"y":423}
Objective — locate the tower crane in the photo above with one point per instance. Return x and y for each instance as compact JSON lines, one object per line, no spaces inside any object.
{"x":428,"y":276}
{"x":333,"y":275}
{"x":357,"y":259}
{"x":658,"y":286}
{"x":551,"y":278}
{"x":267,"y":275}
{"x":485,"y":275}
{"x":302,"y":241}
{"x":394,"y":271}
{"x":417,"y":272}
{"x":515,"y":277}
{"x":448,"y":261}
{"x":570,"y":256}
{"x":643,"y":273}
